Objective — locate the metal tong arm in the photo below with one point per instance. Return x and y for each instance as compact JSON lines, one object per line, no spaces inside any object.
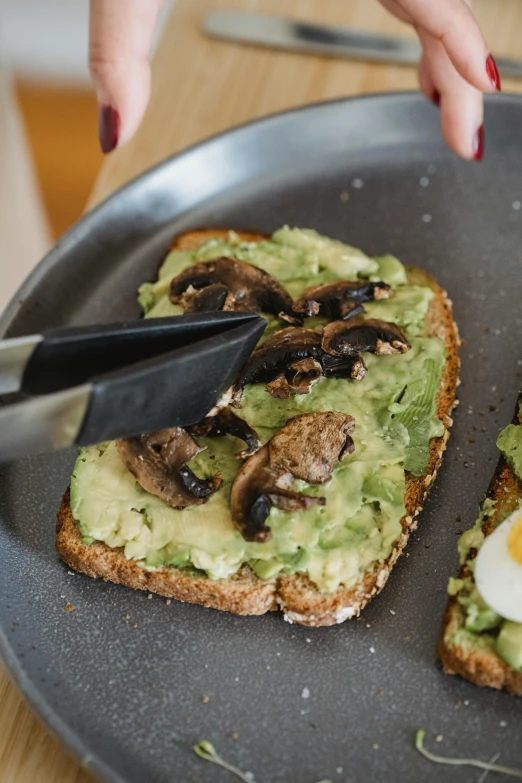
{"x":62,"y":358}
{"x":104,"y":382}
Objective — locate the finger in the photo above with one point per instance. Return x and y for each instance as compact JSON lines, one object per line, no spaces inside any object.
{"x":452,"y":23}
{"x":426,"y":83}
{"x":121,"y":36}
{"x":461,"y":104}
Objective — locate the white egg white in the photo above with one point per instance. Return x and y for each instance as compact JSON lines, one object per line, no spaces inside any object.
{"x":498,"y":576}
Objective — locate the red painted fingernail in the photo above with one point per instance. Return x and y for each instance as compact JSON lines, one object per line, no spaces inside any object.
{"x":478,"y":144}
{"x":436,"y":97}
{"x":492,"y":72}
{"x":108,"y":128}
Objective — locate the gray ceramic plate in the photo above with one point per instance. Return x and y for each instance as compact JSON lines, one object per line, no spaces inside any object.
{"x":127,"y":700}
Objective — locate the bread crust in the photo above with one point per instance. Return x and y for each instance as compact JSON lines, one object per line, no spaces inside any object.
{"x":245,"y":593}
{"x":483,"y":667}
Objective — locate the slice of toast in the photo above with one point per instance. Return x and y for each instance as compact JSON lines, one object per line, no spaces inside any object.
{"x":477,"y":663}
{"x":245,"y":593}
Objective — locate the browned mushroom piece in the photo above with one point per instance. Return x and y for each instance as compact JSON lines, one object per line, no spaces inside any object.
{"x":349,"y":366}
{"x":235,"y":285}
{"x":305,"y":448}
{"x":158,"y":462}
{"x":298,"y":378}
{"x":342,"y":299}
{"x":283,"y":348}
{"x":291,"y":361}
{"x":225,"y":422}
{"x":345,"y":338}
{"x":213,"y":297}
{"x":309,"y":444}
{"x":255,"y":491}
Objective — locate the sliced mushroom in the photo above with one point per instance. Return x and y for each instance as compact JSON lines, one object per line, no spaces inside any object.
{"x":349,"y":366}
{"x":290,"y":360}
{"x":213,"y":297}
{"x":158,"y":463}
{"x":254,"y":492}
{"x":298,"y":378}
{"x":225,"y":422}
{"x":308,"y":445}
{"x":343,"y":338}
{"x":342,"y":299}
{"x":305,"y":448}
{"x":279,"y":351}
{"x":235,"y":285}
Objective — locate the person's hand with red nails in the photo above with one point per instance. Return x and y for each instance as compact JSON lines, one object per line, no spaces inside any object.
{"x":121,"y":34}
{"x":455,"y":69}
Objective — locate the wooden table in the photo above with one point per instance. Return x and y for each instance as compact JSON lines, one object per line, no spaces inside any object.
{"x":201,"y":87}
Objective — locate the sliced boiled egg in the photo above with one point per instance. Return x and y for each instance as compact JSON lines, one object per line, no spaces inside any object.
{"x":498,"y":569}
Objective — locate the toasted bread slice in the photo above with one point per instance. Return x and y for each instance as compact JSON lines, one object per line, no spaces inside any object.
{"x":245,"y":593}
{"x":483,"y":666}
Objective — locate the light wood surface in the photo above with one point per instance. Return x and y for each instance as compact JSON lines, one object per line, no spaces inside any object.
{"x":61,"y":126}
{"x":201,"y":87}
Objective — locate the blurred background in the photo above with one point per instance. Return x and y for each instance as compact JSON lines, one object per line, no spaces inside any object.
{"x":44,"y":47}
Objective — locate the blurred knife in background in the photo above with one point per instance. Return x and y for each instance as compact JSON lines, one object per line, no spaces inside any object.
{"x":280,"y":33}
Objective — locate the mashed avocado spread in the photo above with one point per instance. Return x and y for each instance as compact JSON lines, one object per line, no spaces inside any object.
{"x":483,"y":628}
{"x":393,"y":407}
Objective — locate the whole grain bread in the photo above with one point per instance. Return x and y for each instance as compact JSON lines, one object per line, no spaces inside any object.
{"x":245,"y":593}
{"x":483,"y":666}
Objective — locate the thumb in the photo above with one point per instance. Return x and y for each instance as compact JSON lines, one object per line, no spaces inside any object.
{"x":121,"y":36}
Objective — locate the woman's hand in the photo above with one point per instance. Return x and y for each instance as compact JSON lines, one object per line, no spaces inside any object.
{"x":454,"y":71}
{"x":121,"y":35}
{"x":455,"y":68}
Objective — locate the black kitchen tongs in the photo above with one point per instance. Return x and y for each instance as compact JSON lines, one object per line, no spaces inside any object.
{"x":90,"y":384}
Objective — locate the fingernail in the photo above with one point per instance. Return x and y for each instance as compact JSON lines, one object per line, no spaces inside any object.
{"x":108,"y":128}
{"x":492,"y":72}
{"x":478,"y":144}
{"x":436,"y":97}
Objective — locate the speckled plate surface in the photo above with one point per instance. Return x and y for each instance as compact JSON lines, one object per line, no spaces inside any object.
{"x":121,"y":678}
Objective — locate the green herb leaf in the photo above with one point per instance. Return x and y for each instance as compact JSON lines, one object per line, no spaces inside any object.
{"x":486,"y":765}
{"x":206,"y":751}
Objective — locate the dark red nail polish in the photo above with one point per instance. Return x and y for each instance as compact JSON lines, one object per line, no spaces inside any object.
{"x":478,"y":144}
{"x":108,"y":128}
{"x":436,"y":97}
{"x":492,"y":72}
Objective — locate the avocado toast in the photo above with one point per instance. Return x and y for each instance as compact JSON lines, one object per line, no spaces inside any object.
{"x":476,"y":642}
{"x":324,"y":563}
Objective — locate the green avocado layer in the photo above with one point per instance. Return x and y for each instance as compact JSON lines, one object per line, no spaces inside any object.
{"x":482,"y":626}
{"x":393,"y":407}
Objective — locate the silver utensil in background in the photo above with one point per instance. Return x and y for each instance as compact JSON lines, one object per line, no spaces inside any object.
{"x":279,"y":33}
